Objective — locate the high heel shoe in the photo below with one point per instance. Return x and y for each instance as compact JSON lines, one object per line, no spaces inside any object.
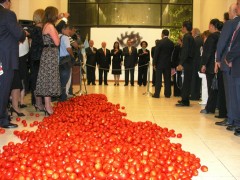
{"x":38,"y":109}
{"x":12,"y":110}
{"x":47,"y":113}
{"x":22,"y":105}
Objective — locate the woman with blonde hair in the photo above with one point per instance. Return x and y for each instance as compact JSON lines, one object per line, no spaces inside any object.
{"x":48,"y":80}
{"x":35,"y":55}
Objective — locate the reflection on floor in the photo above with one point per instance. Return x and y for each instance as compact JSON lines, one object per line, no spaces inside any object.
{"x":217,"y":148}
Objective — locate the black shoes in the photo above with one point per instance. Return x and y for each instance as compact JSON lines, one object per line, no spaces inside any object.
{"x":22,"y":105}
{"x":155,"y":96}
{"x":223,"y":123}
{"x":38,"y":109}
{"x":125,"y":84}
{"x":231,"y":128}
{"x":9,"y":125}
{"x":182,"y":104}
{"x":204,"y":111}
{"x":12,"y":110}
{"x":237,"y":131}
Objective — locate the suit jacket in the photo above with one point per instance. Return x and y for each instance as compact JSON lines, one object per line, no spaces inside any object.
{"x":130,"y":59}
{"x":10,"y":35}
{"x":143,"y":58}
{"x":91,"y":57}
{"x":197,"y":54}
{"x":102,"y":60}
{"x":187,"y":50}
{"x":163,"y":53}
{"x":152,"y":51}
{"x":224,"y":41}
{"x":209,"y":50}
{"x":234,"y":55}
{"x":176,"y":56}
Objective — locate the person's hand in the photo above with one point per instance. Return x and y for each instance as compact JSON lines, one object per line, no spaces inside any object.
{"x":217,"y":66}
{"x":66,"y":14}
{"x":203,"y":69}
{"x":229,"y":64}
{"x":179,"y":67}
{"x":27,"y":33}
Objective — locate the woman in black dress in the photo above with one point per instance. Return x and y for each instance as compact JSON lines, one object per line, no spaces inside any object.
{"x":117,"y":59}
{"x":143,"y":60}
{"x":35,"y":55}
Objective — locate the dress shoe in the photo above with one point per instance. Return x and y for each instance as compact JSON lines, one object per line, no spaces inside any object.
{"x":223,"y":123}
{"x":182,"y":104}
{"x":204,"y":111}
{"x":100,"y":84}
{"x":237,"y":131}
{"x":94,"y":84}
{"x":179,"y":101}
{"x":155,"y":96}
{"x":231,"y":128}
{"x":132,"y":84}
{"x":106,"y":84}
{"x":9,"y":125}
{"x":167,"y":96}
{"x":220,"y":117}
{"x":125,"y":84}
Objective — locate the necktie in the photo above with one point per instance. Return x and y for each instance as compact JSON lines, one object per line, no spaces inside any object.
{"x":233,"y":36}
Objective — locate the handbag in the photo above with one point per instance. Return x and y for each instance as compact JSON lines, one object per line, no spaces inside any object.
{"x":214,"y":85}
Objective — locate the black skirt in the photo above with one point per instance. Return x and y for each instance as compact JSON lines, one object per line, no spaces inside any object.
{"x":16,"y":83}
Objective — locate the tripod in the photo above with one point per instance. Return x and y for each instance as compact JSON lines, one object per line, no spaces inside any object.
{"x":81,"y":75}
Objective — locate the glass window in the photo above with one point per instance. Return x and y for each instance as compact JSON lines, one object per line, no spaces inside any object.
{"x":174,"y":15}
{"x":83,"y":14}
{"x":129,"y":14}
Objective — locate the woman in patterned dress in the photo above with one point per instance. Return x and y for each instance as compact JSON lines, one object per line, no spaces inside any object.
{"x":48,"y":81}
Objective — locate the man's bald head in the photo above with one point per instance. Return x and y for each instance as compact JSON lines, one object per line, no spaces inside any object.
{"x":232,"y":11}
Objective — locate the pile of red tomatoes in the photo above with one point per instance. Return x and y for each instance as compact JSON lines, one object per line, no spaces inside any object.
{"x":88,"y":137}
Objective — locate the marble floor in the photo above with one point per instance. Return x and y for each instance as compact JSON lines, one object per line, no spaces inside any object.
{"x":217,"y":148}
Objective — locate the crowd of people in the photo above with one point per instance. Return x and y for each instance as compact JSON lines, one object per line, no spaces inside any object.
{"x":201,"y":66}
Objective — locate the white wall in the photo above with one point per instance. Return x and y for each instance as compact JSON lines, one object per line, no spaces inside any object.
{"x":110,"y":35}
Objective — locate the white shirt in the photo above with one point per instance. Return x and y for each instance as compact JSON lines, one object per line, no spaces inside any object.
{"x":23,"y":48}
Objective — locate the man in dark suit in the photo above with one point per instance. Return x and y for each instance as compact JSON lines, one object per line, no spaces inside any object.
{"x":103,"y":61}
{"x":196,"y":81}
{"x":154,"y":71}
{"x":130,"y":61}
{"x":186,"y":61}
{"x":233,"y":61}
{"x":222,"y":49}
{"x":91,"y":62}
{"x":162,"y":64}
{"x":10,"y":35}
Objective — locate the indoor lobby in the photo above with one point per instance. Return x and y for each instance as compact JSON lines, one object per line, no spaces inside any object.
{"x":217,"y":148}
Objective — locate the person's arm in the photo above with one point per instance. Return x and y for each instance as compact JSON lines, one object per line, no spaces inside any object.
{"x":234,"y":53}
{"x":156,"y":54}
{"x":224,"y":40}
{"x":14,"y":28}
{"x":185,"y":50}
{"x":207,"y":52}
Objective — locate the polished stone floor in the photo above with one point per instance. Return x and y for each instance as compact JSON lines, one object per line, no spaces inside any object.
{"x":217,"y":148}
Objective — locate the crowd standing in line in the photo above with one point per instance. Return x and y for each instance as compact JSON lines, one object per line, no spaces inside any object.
{"x":202,"y":66}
